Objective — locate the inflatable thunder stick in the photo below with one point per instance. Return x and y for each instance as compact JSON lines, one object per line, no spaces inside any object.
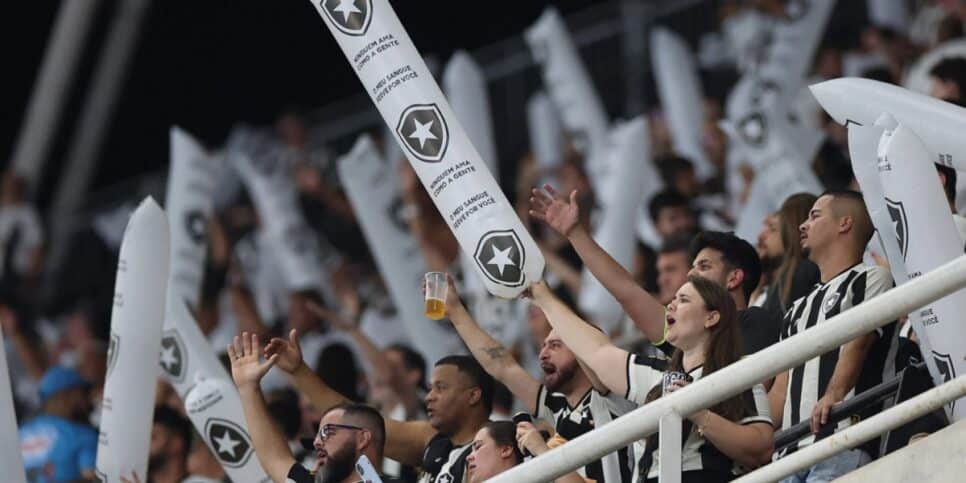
{"x":132,"y":359}
{"x":682,"y":100}
{"x":373,"y":190}
{"x":465,"y":87}
{"x":462,"y":188}
{"x":570,"y":88}
{"x":630,"y":154}
{"x":927,"y":238}
{"x":546,"y":133}
{"x":186,"y":356}
{"x":938,"y":124}
{"x":208,"y":404}
{"x":10,"y":459}
{"x":863,"y":146}
{"x":184,"y":350}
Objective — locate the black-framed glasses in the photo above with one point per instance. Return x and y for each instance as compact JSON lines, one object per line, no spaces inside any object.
{"x":327,"y":430}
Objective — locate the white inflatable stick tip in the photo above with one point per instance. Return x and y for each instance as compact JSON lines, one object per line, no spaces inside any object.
{"x":886,"y":121}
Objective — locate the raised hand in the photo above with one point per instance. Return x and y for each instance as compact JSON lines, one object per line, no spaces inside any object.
{"x":530,"y":440}
{"x":247,"y":368}
{"x":560,"y":214}
{"x":287,"y":354}
{"x":332,"y":317}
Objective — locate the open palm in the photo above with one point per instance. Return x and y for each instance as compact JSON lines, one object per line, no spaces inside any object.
{"x":554,"y":210}
{"x":246,"y":366}
{"x":288,"y":353}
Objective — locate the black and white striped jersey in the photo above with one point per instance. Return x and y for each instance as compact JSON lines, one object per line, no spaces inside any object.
{"x":593,"y":410}
{"x":696,"y":453}
{"x":808,"y":382}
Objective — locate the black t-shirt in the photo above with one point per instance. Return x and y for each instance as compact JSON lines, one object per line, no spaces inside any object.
{"x":758,"y":329}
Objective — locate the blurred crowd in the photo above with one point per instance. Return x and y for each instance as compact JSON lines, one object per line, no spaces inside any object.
{"x":311,"y":362}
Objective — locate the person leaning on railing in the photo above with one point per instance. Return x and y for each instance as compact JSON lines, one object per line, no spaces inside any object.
{"x":702,"y":324}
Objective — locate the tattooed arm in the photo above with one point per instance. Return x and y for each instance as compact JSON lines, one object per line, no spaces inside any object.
{"x":495,"y":359}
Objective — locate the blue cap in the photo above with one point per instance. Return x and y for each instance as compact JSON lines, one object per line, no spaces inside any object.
{"x":58,"y":379}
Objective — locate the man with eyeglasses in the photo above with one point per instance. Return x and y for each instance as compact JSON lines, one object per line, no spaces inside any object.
{"x":346,"y":431}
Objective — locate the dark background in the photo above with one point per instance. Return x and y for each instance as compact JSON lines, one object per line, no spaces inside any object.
{"x":205,"y":64}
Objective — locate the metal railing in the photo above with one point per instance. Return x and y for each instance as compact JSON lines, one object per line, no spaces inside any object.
{"x":738,"y":377}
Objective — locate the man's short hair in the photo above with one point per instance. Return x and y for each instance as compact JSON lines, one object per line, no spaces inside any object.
{"x":670,"y":166}
{"x":851,"y":203}
{"x":478,"y":377}
{"x":735,"y":252}
{"x":666,"y":199}
{"x":173,"y":420}
{"x":949,"y":187}
{"x":364,"y":416}
{"x":413,"y":360}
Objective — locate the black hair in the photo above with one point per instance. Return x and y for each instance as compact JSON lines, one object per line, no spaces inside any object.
{"x":367,"y":417}
{"x":950,"y":182}
{"x":173,"y":420}
{"x":671,"y":165}
{"x":479,"y":378}
{"x":863,"y":224}
{"x":951,"y":69}
{"x":666,"y":199}
{"x":283,"y":407}
{"x":735,"y":252}
{"x":504,"y":433}
{"x":345,"y":381}
{"x":413,"y":360}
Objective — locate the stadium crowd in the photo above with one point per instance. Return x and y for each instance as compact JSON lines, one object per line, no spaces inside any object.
{"x":327,"y":374}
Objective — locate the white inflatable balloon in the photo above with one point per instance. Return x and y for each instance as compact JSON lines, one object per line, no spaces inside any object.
{"x":372,"y":189}
{"x":214,"y":408}
{"x":188,"y":203}
{"x":631,"y":161}
{"x":569,"y":85}
{"x":939,"y":124}
{"x":10,"y":459}
{"x":132,"y":360}
{"x":265,"y":164}
{"x":465,"y":87}
{"x":546,"y":133}
{"x":191,"y":181}
{"x":682,"y":99}
{"x":927,"y":238}
{"x":472,"y":203}
{"x":863,"y":146}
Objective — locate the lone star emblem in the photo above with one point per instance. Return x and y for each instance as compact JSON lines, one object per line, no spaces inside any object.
{"x":897,"y":212}
{"x":944,"y":364}
{"x":230,"y":442}
{"x":500,"y":256}
{"x":423,"y":131}
{"x":752,"y":129}
{"x":351,"y":17}
{"x":173,"y":355}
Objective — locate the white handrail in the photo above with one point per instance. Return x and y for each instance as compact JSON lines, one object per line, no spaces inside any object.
{"x":853,"y":436}
{"x":737,"y":377}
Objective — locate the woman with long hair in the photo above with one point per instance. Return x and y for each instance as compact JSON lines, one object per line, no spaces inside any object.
{"x":703,"y":327}
{"x":500,"y":445}
{"x":796,"y":275}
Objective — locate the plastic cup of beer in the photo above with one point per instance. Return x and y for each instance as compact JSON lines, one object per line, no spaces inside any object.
{"x":436,"y":286}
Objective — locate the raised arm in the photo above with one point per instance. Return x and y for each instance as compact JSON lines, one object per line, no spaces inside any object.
{"x":562,"y":215}
{"x":247,"y":370}
{"x":588,"y":344}
{"x":495,"y":359}
{"x":405,"y":441}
